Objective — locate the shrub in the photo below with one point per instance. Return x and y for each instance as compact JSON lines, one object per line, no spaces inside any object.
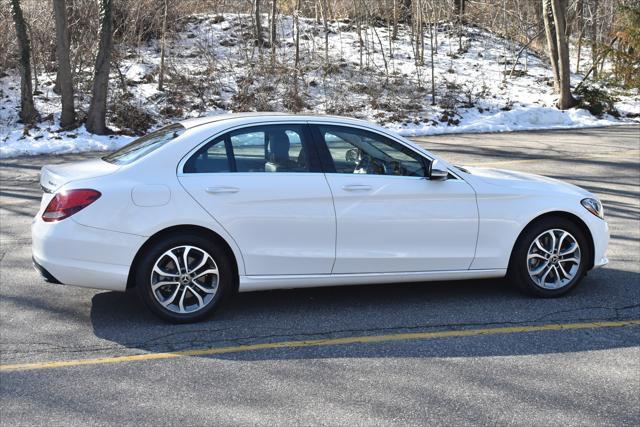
{"x":131,"y":119}
{"x":596,"y":100}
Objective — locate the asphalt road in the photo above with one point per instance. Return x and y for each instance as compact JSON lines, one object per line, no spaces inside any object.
{"x":587,"y":376}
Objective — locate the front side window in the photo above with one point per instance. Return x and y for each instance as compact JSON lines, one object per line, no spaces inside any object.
{"x":271,"y":148}
{"x":356,"y":151}
{"x":144,"y":145}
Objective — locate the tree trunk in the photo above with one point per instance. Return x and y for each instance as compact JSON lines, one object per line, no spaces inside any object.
{"x":163,"y":43}
{"x":432,"y":32}
{"x":406,"y":11}
{"x":459,"y":12}
{"x":580,"y":21}
{"x":33,"y":59}
{"x":550,"y":30}
{"x":274,"y":13}
{"x":594,"y":35}
{"x":458,"y":7}
{"x":559,"y":9}
{"x":65,"y":81}
{"x":96,"y":119}
{"x":68,"y":13}
{"x":272,"y":32}
{"x":258,"y":26}
{"x":296,"y":29}
{"x":418,"y":34}
{"x":28,"y":113}
{"x":394,"y":12}
{"x":325,"y":24}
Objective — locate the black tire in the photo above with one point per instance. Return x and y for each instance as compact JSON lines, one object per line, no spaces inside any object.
{"x":518,"y":272}
{"x":145,"y":268}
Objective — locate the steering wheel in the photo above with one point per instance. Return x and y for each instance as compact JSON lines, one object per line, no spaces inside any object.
{"x":373,"y":166}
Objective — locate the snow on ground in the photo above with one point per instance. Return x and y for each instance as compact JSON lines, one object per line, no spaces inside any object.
{"x":213,"y":69}
{"x":518,"y":119}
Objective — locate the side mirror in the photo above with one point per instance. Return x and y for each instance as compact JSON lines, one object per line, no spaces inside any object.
{"x":437,"y":172}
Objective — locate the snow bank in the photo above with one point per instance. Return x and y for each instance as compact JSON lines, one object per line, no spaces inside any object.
{"x":52,"y":142}
{"x":517,"y":119}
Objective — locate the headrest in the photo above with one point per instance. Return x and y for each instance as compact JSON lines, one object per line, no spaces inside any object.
{"x":278,"y":146}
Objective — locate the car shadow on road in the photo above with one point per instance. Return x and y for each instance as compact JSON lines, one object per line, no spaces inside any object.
{"x":304,"y":314}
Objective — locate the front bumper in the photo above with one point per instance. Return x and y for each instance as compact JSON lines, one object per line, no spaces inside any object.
{"x":601,"y":262}
{"x":600,"y":235}
{"x":73,"y":254}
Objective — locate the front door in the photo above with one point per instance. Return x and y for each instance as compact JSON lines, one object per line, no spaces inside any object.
{"x":262,"y":185}
{"x":390,"y":218}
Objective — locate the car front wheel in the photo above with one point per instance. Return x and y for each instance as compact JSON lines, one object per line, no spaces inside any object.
{"x":183,"y":278}
{"x":550,"y":258}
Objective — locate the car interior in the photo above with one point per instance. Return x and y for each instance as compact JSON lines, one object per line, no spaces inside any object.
{"x":360,"y":153}
{"x":280,"y":148}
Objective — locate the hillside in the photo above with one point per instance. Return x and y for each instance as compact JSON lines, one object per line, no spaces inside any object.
{"x":212,"y":69}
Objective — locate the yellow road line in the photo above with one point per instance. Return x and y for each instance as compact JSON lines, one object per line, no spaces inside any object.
{"x":320,"y":342}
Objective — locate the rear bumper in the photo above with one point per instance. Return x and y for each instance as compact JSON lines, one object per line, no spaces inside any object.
{"x":73,"y":254}
{"x":48,"y":277}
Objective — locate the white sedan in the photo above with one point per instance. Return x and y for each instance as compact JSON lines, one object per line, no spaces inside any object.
{"x":243,"y":202}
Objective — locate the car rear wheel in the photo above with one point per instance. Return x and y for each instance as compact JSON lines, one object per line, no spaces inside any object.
{"x":550,"y":258}
{"x":182,"y":278}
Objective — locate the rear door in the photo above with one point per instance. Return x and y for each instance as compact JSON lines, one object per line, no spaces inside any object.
{"x":264,"y":185}
{"x":390,"y":218}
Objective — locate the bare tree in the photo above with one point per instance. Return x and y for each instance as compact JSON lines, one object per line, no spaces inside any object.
{"x":554,"y":12}
{"x":394,"y":17}
{"x":459,"y":6}
{"x":272,"y":31}
{"x":594,"y":34}
{"x":272,"y":23}
{"x":325,"y":24}
{"x":580,"y":22}
{"x":96,"y":119}
{"x":432,"y":33}
{"x":406,"y":11}
{"x":296,"y":29}
{"x":258,"y":22}
{"x":28,"y":113}
{"x":163,"y":43}
{"x":65,"y":81}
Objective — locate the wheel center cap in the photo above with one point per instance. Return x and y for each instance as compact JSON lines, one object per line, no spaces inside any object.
{"x":185,"y":278}
{"x":554,"y":259}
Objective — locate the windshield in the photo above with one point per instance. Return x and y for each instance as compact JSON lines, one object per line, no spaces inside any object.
{"x":144,"y":145}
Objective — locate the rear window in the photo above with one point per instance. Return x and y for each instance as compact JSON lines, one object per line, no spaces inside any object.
{"x":144,"y":145}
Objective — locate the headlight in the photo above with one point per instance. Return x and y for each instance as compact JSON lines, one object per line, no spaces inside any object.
{"x":594,"y":206}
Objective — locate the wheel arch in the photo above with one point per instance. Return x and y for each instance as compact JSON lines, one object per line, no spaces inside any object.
{"x":187,"y":228}
{"x":560,"y":214}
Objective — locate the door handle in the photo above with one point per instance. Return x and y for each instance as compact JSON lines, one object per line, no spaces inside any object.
{"x":221,"y":190}
{"x":356,"y":187}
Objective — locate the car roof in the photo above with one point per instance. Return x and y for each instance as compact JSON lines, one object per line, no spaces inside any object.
{"x":215,"y":119}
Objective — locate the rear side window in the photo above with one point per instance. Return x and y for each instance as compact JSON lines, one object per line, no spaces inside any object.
{"x":270,"y":148}
{"x":144,"y":145}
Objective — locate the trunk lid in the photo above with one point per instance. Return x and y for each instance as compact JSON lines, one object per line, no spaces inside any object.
{"x":52,"y":177}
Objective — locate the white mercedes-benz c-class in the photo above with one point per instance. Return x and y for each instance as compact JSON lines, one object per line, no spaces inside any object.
{"x":200,"y":209}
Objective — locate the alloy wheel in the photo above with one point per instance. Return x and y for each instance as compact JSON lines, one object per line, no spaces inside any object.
{"x":553,"y":259}
{"x":184,"y":279}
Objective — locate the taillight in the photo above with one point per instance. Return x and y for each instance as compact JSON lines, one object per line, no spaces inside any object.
{"x":66,"y":203}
